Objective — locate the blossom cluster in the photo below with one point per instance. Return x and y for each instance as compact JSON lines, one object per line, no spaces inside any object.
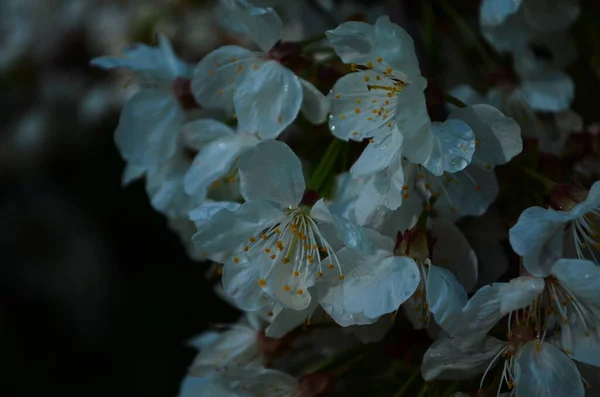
{"x":298,"y":241}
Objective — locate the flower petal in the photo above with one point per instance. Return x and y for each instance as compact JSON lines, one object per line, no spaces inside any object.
{"x":353,"y":42}
{"x":378,"y":155}
{"x":456,"y":147}
{"x":446,"y":297}
{"x":536,"y":232}
{"x":550,"y":91}
{"x":452,"y":251}
{"x":271,"y":171}
{"x":215,"y":160}
{"x":159,"y":63}
{"x":268,"y":99}
{"x":580,"y":342}
{"x":241,"y":277}
{"x":131,"y":173}
{"x":352,"y":235}
{"x":397,"y":47}
{"x":494,"y":12}
{"x":199,"y":132}
{"x":379,"y":285}
{"x":581,"y":278}
{"x":315,"y":105}
{"x":227,"y":230}
{"x":263,"y":25}
{"x":543,"y":370}
{"x":498,"y":137}
{"x":164,"y":186}
{"x":148,"y":127}
{"x":358,"y":111}
{"x":288,"y":319}
{"x":217,"y":75}
{"x":449,"y":359}
{"x":548,"y":15}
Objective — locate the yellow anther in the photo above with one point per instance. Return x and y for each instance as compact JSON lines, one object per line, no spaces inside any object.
{"x":337,"y":96}
{"x":255,"y":67}
{"x":355,"y":133}
{"x":369,"y":65}
{"x":286,"y":287}
{"x":320,"y":274}
{"x":357,"y":110}
{"x":342,"y":117}
{"x":220,"y":92}
{"x":240,"y":68}
{"x":273,"y":256}
{"x":358,"y":100}
{"x":436,"y":194}
{"x":380,"y":59}
{"x":378,"y":78}
{"x":264,"y":236}
{"x":296,"y":274}
{"x":234,"y":59}
{"x":300,"y":291}
{"x":236,"y":260}
{"x":367,"y":78}
{"x":252,"y":239}
{"x":371,"y":140}
{"x":279,"y":245}
{"x":306,"y":246}
{"x":341,"y":277}
{"x":286,"y":260}
{"x":405,"y":195}
{"x":310,"y":258}
{"x":246,"y":248}
{"x":404,"y":187}
{"x":323,"y":249}
{"x":330,"y":266}
{"x":262,"y":282}
{"x":268,"y":250}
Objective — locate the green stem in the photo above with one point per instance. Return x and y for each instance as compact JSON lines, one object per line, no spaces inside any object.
{"x":407,"y":384}
{"x":454,"y":100}
{"x":312,"y":40}
{"x":422,"y":221}
{"x":548,"y":184}
{"x":320,"y":174}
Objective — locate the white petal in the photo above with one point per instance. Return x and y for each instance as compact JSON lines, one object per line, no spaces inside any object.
{"x":580,"y":342}
{"x":498,"y":137}
{"x":412,"y":120}
{"x":581,"y":278}
{"x":548,"y":15}
{"x":397,"y":47}
{"x":591,"y":203}
{"x":217,"y":75}
{"x":148,"y":127}
{"x":378,"y":155}
{"x":241,"y":276}
{"x":288,"y":319}
{"x":494,"y":12}
{"x":549,"y":91}
{"x":131,"y":173}
{"x":214,"y":161}
{"x":164,"y":185}
{"x":380,"y":285}
{"x":355,"y":108}
{"x":519,"y":293}
{"x":315,"y":105}
{"x":545,"y":371}
{"x":283,"y":286}
{"x":209,"y":208}
{"x":446,"y":297}
{"x":534,"y":234}
{"x":263,"y":25}
{"x":331,"y":298}
{"x":193,"y":386}
{"x":353,"y":236}
{"x":452,"y":251}
{"x":353,"y":42}
{"x":268,"y":99}
{"x":447,"y":359}
{"x":227,"y":230}
{"x":456,"y":144}
{"x":271,"y":171}
{"x":198,"y":133}
{"x":160,"y":63}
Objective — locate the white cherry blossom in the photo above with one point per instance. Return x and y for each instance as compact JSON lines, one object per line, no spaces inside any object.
{"x":265,"y":96}
{"x":385,"y":102}
{"x":539,"y":233}
{"x":279,"y":246}
{"x":150,"y":121}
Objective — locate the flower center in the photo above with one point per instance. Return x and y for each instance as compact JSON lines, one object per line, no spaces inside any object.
{"x":296,"y":243}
